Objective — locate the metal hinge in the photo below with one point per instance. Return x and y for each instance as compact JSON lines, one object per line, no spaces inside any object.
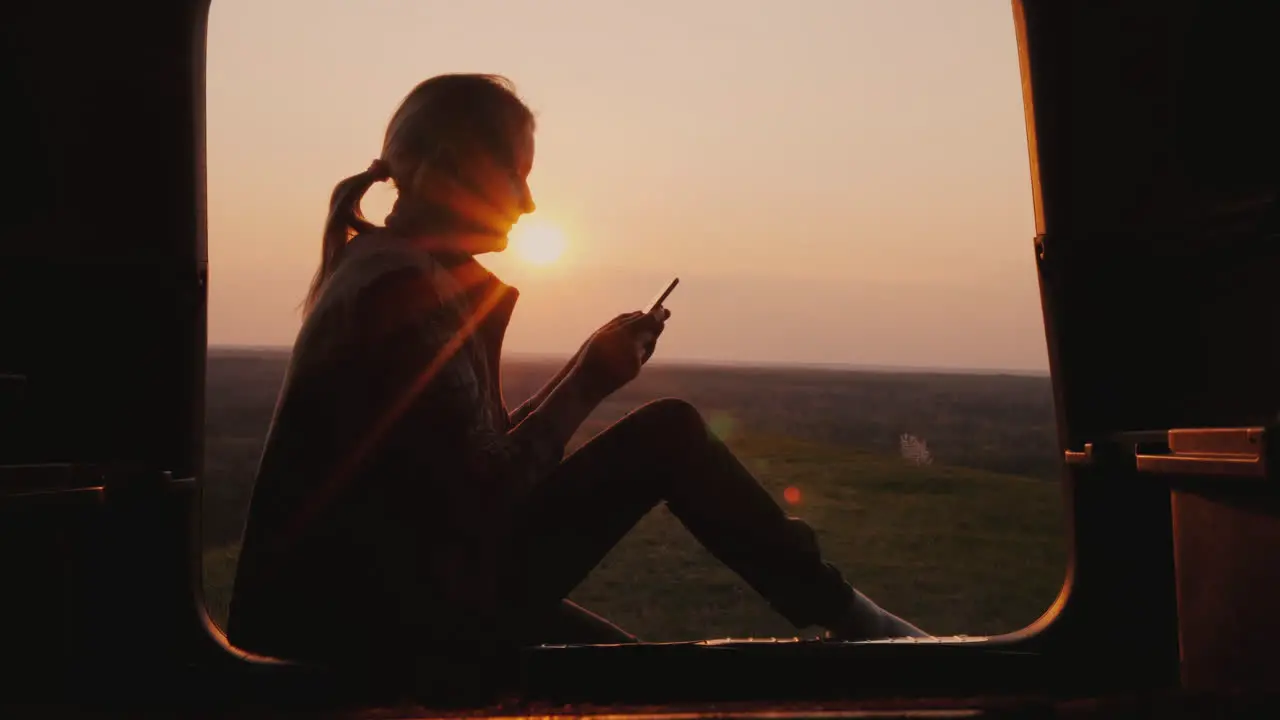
{"x":1218,"y":452}
{"x":23,"y":486}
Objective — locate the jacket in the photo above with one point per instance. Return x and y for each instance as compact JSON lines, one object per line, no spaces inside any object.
{"x":392,"y":466}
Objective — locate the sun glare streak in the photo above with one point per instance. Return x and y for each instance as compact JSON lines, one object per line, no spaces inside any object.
{"x":342,"y":474}
{"x":536,"y":241}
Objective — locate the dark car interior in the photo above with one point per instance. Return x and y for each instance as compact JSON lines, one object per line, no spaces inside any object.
{"x":1155,"y":165}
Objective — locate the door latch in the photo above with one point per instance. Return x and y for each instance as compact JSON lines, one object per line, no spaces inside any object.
{"x":1245,"y":452}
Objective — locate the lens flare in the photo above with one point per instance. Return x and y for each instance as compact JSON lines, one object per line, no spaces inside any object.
{"x":721,"y":424}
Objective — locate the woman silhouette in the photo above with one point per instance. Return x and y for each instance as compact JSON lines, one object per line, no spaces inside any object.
{"x":400,"y":509}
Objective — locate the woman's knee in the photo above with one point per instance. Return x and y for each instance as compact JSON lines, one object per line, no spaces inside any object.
{"x":668,"y":427}
{"x":672,"y":416}
{"x":663,"y":441}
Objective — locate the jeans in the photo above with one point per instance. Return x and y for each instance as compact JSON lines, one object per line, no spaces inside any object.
{"x":662,"y":452}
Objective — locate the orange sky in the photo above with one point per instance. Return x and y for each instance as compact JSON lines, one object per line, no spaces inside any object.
{"x":834,"y":181}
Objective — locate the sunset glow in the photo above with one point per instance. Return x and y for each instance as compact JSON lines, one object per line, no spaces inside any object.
{"x":536,"y":241}
{"x":874,"y":213}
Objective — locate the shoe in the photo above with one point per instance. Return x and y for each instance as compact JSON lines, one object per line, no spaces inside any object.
{"x":865,"y":620}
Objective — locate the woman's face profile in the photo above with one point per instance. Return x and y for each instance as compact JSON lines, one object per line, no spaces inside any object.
{"x":512,"y":196}
{"x":495,"y":194}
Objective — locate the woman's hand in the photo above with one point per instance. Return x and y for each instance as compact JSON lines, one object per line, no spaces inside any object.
{"x":660,"y":316}
{"x":614,"y":354}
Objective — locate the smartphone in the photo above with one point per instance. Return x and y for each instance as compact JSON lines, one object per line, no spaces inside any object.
{"x":653,"y":306}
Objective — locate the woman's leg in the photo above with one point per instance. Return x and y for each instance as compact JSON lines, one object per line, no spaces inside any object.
{"x":664,"y":452}
{"x":568,"y":623}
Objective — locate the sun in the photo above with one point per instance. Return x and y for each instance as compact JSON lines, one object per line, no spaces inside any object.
{"x":536,"y":241}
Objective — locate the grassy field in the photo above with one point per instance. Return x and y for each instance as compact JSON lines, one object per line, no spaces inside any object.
{"x":972,"y":544}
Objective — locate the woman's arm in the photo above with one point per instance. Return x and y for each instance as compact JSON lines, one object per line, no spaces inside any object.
{"x":520,"y":413}
{"x":560,"y":411}
{"x":541,"y":396}
{"x":419,"y":340}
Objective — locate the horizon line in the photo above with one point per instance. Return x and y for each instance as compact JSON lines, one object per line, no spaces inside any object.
{"x":713,"y":362}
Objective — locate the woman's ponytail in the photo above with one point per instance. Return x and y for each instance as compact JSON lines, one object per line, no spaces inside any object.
{"x":458,"y":111}
{"x":345,"y":221}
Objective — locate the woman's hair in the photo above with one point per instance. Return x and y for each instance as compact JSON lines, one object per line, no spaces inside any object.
{"x":442,"y":124}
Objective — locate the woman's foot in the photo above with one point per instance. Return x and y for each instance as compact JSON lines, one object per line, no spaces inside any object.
{"x":865,"y":620}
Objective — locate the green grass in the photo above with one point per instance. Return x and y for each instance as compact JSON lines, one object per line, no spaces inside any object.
{"x":955,"y":550}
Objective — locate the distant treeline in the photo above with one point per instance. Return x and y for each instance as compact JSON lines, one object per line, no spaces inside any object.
{"x":998,"y":423}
